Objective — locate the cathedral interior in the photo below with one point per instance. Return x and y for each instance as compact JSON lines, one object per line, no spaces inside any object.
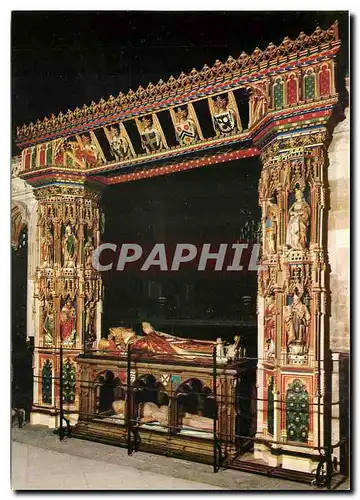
{"x":248,"y":369}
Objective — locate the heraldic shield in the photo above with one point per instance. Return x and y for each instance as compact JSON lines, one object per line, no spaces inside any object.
{"x":225,"y":121}
{"x":186,"y":125}
{"x":225,"y":114}
{"x":186,"y":132}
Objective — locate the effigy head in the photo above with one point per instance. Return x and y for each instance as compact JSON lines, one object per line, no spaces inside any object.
{"x":122,"y":335}
{"x":147,"y":328}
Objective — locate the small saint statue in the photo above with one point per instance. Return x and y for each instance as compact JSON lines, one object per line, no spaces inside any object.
{"x":47,"y":247}
{"x":68,"y":324}
{"x":271,"y":229}
{"x":269,"y":326}
{"x":70,"y":247}
{"x":88,"y":252}
{"x":49,"y":323}
{"x":297,"y":321}
{"x":299,"y":217}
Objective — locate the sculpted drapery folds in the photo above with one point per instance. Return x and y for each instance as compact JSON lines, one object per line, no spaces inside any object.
{"x":291,"y":176}
{"x":299,"y":219}
{"x":49,"y":323}
{"x":88,"y":252}
{"x":90,"y":329}
{"x":68,"y":323}
{"x":69,"y":228}
{"x":297,"y":320}
{"x":155,"y":342}
{"x":271,"y":229}
{"x":270,"y":325}
{"x":47,"y":247}
{"x":70,"y":247}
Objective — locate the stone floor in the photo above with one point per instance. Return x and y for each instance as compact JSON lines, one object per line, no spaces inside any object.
{"x":41,"y":461}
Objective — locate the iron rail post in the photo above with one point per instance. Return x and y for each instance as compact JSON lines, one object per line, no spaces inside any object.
{"x":128,"y":402}
{"x":61,"y":428}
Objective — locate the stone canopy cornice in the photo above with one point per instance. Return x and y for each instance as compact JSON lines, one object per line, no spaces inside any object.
{"x":209,"y":81}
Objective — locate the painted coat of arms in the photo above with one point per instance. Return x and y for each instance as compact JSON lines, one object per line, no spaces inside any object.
{"x":187,"y":128}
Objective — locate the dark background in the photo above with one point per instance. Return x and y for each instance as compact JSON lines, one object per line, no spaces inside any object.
{"x":61,"y":60}
{"x":216,"y":204}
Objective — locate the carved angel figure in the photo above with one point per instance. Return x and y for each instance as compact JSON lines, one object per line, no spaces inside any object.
{"x":119,"y":145}
{"x":185,"y":127}
{"x":225,"y":115}
{"x":151,"y":139}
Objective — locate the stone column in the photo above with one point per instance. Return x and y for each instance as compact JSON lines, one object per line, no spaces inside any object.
{"x":293,"y":344}
{"x":339,"y":258}
{"x":68,"y":290}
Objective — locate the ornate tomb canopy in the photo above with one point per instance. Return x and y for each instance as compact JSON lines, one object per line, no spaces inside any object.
{"x":289,"y":87}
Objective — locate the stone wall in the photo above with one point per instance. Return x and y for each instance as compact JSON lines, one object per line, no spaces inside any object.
{"x":339,"y":257}
{"x":339,"y":235}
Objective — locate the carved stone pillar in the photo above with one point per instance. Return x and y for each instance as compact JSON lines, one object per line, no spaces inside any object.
{"x":23,"y":200}
{"x":293,"y":344}
{"x":68,"y":289}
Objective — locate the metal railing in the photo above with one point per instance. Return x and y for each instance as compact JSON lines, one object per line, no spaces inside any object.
{"x":230,"y":448}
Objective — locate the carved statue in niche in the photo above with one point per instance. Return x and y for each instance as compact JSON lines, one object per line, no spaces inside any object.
{"x":299,"y":218}
{"x":264,"y":183}
{"x":49,"y":323}
{"x":269,"y":326}
{"x":47,"y":247}
{"x":297,"y":320}
{"x":68,"y":323}
{"x":225,"y":115}
{"x":271,"y":229}
{"x":186,"y":125}
{"x":152,"y":137}
{"x":88,"y":252}
{"x":90,"y":332}
{"x":70,"y":247}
